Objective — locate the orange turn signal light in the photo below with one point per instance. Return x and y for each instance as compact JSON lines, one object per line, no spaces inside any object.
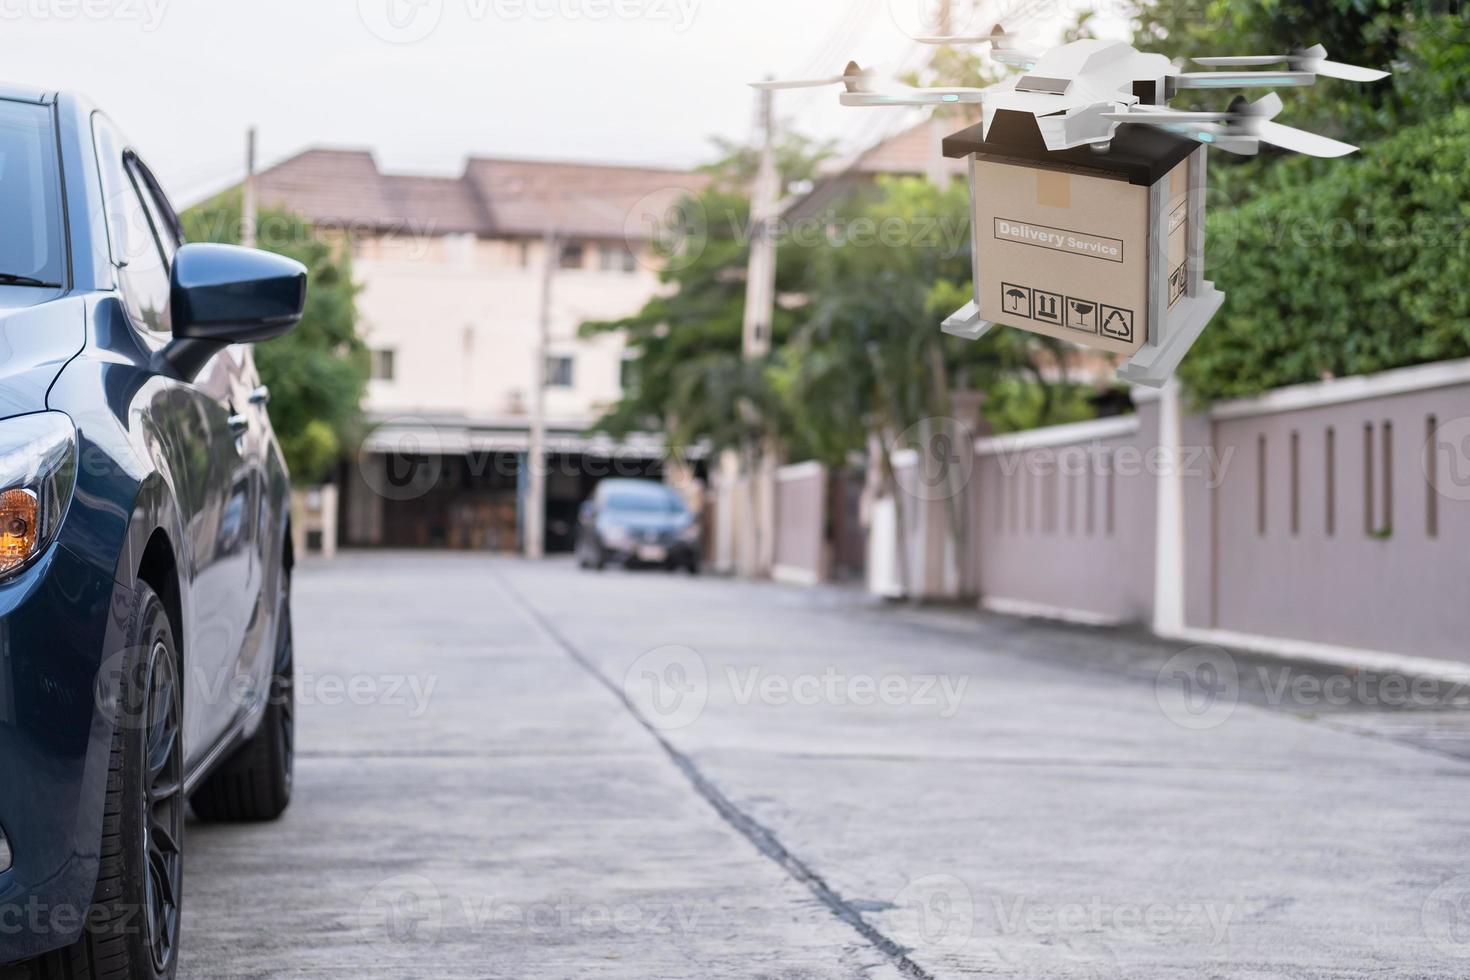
{"x":20,"y":527}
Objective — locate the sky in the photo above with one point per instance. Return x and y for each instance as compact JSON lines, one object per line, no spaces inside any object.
{"x":426,"y":83}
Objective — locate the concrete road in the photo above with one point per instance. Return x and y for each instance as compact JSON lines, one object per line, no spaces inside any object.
{"x":530,"y":771}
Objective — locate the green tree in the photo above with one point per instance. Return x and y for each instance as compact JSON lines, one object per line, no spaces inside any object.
{"x":687,"y":339}
{"x":318,"y":372}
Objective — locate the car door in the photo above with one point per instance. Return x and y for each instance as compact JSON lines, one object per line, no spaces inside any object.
{"x":207,"y":455}
{"x":241,"y":539}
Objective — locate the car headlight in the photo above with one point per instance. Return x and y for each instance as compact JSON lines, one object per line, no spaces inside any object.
{"x":690,"y":533}
{"x":38,"y":470}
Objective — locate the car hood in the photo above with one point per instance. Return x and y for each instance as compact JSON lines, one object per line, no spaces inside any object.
{"x":39,"y":333}
{"x":636,"y":521}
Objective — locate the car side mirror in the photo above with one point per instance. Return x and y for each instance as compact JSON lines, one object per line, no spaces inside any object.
{"x":224,"y":294}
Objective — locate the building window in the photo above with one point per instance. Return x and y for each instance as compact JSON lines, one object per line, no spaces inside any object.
{"x":382,"y":365}
{"x":559,"y":372}
{"x":572,"y":255}
{"x":618,"y":258}
{"x":628,"y":372}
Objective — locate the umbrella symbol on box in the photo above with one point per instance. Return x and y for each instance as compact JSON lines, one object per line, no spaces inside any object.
{"x":1015,"y":299}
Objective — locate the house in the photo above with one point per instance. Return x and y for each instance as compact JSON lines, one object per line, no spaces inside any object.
{"x":452,"y":276}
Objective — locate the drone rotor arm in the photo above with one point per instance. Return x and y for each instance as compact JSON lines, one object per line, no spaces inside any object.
{"x":1244,"y":79}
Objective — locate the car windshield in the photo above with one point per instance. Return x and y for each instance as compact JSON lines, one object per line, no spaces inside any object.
{"x":644,"y":503}
{"x":30,"y":234}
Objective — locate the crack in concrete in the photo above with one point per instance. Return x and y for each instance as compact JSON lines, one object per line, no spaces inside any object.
{"x":747,"y":826}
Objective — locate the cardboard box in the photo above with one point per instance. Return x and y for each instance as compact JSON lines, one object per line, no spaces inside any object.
{"x":1102,"y":249}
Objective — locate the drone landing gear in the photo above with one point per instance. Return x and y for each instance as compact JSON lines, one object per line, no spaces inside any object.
{"x":966,"y":324}
{"x":1155,"y":363}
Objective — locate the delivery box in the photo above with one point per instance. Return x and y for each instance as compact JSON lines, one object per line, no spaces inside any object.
{"x":1103,"y":249}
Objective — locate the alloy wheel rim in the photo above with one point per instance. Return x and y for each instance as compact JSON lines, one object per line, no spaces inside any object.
{"x":163,"y":807}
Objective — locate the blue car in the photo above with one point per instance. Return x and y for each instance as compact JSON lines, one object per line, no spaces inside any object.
{"x":145,"y":549}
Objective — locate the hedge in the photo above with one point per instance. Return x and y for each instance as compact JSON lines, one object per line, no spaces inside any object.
{"x":1357,"y":268}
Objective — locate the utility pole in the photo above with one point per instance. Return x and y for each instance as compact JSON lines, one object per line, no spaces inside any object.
{"x":247,"y":204}
{"x":760,"y":302}
{"x":535,"y":513}
{"x":760,"y":281}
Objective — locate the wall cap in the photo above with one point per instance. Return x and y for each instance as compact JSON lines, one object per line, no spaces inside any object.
{"x":1059,"y":435}
{"x":1319,"y":394}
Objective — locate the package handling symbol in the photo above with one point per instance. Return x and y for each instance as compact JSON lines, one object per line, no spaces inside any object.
{"x":1117,"y":323}
{"x":1082,"y":314}
{"x":1015,"y":299}
{"x":1048,"y":306}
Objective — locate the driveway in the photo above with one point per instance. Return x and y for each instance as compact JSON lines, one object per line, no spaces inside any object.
{"x":530,"y":771}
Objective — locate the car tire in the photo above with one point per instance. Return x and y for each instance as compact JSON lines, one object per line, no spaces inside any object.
{"x":132,"y":926}
{"x":254,"y":784}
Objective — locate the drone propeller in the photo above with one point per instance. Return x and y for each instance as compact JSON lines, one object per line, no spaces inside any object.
{"x":1313,"y":59}
{"x":997,"y":36}
{"x":1240,"y":129}
{"x":863,"y":89}
{"x":856,"y":78}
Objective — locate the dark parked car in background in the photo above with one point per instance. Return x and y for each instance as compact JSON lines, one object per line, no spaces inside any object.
{"x":145,"y":552}
{"x":637,"y":522}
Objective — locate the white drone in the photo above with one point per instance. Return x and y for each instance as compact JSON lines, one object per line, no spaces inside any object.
{"x":1081,"y":91}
